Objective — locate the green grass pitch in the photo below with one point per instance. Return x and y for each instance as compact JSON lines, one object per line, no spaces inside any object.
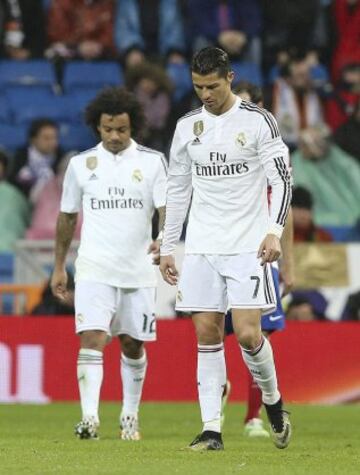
{"x":39,"y":440}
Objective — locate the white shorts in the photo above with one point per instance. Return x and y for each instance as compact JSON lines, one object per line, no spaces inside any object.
{"x":117,"y":311}
{"x":216,"y":283}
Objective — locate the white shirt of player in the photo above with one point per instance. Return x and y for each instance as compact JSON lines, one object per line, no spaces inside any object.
{"x":118,"y":195}
{"x":226,"y":161}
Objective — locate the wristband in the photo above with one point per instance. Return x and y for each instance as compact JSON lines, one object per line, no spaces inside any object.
{"x":276,"y":229}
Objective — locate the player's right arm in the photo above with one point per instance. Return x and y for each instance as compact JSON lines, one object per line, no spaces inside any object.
{"x":65,"y":228}
{"x":178,"y":197}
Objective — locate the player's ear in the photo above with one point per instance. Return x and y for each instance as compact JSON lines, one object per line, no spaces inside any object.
{"x":230,"y":76}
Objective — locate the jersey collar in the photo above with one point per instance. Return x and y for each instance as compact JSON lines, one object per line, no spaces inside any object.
{"x":118,"y":156}
{"x":232,"y":109}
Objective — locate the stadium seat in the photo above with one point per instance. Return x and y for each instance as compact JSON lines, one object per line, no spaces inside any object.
{"x":19,"y":96}
{"x":78,"y":100}
{"x":246,"y":71}
{"x":39,"y":106}
{"x":76,"y":137}
{"x":181,"y":78}
{"x":6,"y":267}
{"x":80,"y":74}
{"x":344,"y":233}
{"x":6,"y":277}
{"x":27,"y":73}
{"x":12,"y":137}
{"x":5,"y":113}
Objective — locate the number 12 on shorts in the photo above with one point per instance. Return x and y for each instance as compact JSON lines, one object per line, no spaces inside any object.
{"x":149,"y":323}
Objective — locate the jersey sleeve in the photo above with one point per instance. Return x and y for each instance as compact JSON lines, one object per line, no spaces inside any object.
{"x":179,"y":188}
{"x":71,"y":193}
{"x":274,"y":157}
{"x":159,"y":189}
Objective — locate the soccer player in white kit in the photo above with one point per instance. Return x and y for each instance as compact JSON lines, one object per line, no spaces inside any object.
{"x":224,"y":155}
{"x":118,"y":185}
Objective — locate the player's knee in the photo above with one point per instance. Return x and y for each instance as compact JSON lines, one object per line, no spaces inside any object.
{"x":209,"y":333}
{"x":130,"y":347}
{"x":93,"y":340}
{"x":249,"y":337}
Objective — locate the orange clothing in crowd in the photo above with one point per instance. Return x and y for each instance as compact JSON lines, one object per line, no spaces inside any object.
{"x":312,"y":234}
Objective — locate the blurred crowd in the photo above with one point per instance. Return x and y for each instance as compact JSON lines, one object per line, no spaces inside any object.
{"x":305,"y":55}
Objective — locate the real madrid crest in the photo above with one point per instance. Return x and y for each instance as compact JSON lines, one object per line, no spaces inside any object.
{"x":91,"y":163}
{"x":198,"y":127}
{"x":137,"y":175}
{"x":241,"y":139}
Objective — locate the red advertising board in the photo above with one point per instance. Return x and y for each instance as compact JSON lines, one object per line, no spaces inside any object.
{"x":316,"y":362}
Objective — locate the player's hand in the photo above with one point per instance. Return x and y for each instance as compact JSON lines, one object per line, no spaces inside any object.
{"x":270,"y":249}
{"x":168,"y":269}
{"x":287,"y":278}
{"x":58,"y":284}
{"x":154,"y":249}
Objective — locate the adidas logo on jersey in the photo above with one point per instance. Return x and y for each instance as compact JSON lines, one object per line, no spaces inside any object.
{"x":93,"y":177}
{"x":196,"y":141}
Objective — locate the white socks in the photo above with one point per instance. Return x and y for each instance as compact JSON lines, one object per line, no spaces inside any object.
{"x":90,"y":375}
{"x":211,"y":374}
{"x":260,"y":362}
{"x":132,"y":376}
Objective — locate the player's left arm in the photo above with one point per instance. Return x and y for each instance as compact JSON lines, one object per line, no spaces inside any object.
{"x":286,"y":264}
{"x":273,"y":155}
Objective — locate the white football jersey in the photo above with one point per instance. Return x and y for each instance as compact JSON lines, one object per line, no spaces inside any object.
{"x":226,"y":161}
{"x":118,"y":195}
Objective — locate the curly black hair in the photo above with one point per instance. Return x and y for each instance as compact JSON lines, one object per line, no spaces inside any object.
{"x":116,"y":101}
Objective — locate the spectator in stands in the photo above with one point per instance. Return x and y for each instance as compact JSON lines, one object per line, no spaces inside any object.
{"x":307,"y":305}
{"x":295,"y":101}
{"x":234,"y":25}
{"x":288,"y":24}
{"x":304,"y":227}
{"x":149,"y":28}
{"x":152,"y":88}
{"x":50,"y":305}
{"x":330,"y":175}
{"x":14,"y":209}
{"x":81,"y":29}
{"x":47,"y":205}
{"x":33,"y":25}
{"x":347,"y":135}
{"x":347,"y":26}
{"x":10,"y":27}
{"x":352,"y":307}
{"x":22,"y":24}
{"x":342,"y":102}
{"x":249,"y":92}
{"x":34,"y":164}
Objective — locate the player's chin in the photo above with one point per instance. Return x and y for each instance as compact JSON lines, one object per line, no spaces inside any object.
{"x":115,"y":147}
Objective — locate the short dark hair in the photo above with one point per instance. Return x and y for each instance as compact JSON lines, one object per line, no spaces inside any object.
{"x":255,"y":92}
{"x":210,"y":60}
{"x":38,"y":124}
{"x":115,"y":101}
{"x":302,"y":198}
